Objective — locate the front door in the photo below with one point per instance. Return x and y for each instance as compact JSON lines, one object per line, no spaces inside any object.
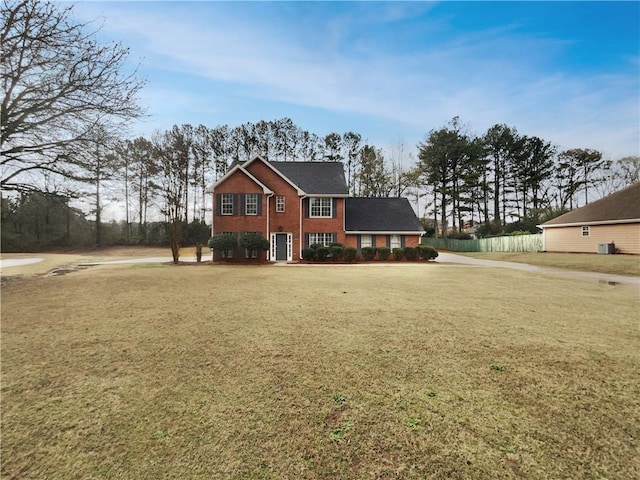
{"x":281,"y":247}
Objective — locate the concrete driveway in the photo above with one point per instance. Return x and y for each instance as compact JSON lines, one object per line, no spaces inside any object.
{"x":449,"y":258}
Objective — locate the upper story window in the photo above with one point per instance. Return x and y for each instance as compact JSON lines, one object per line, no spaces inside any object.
{"x":320,"y":207}
{"x":226,"y":200}
{"x":585,"y":231}
{"x":251,"y":204}
{"x":280,"y":203}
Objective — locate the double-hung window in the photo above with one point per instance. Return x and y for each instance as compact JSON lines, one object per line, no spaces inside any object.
{"x":320,"y":207}
{"x":325,"y":239}
{"x":395,"y":242}
{"x":585,"y":231}
{"x":251,"y":204}
{"x":226,"y":207}
{"x":280,"y":203}
{"x":366,"y":241}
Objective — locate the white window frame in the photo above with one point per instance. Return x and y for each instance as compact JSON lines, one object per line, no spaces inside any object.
{"x":586,"y":231}
{"x":280,"y":203}
{"x":395,"y":241}
{"x":325,"y":239}
{"x":251,"y":204}
{"x":226,"y":204}
{"x":320,"y":207}
{"x":366,"y":241}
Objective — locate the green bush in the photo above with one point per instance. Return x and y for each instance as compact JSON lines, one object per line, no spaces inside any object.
{"x":309,"y":254}
{"x":350,"y":254}
{"x":336,"y":252}
{"x":410,"y":253}
{"x":427,"y":252}
{"x":383,"y":253}
{"x":322,"y":253}
{"x":368,"y":253}
{"x":224,"y":243}
{"x":398,"y":253}
{"x":254,"y":242}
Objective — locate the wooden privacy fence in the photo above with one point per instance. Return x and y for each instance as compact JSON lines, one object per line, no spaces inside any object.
{"x":515,"y":243}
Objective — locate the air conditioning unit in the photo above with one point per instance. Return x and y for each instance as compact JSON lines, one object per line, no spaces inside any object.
{"x":606,"y":248}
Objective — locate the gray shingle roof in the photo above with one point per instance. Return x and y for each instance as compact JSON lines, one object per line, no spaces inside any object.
{"x":621,"y":205}
{"x":380,"y":215}
{"x":319,"y":178}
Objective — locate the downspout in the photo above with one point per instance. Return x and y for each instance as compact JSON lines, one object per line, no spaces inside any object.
{"x":300,"y":236}
{"x":269,"y":195}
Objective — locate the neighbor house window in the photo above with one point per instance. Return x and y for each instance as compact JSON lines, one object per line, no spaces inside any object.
{"x":366,"y":241}
{"x":325,"y":239}
{"x":320,"y":207}
{"x":396,"y":242}
{"x":585,"y":231}
{"x":227,"y":203}
{"x":280,"y":203}
{"x":251,"y":204}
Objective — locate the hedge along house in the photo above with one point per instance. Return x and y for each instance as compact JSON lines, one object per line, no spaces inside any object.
{"x":297,"y":204}
{"x":612,"y":219}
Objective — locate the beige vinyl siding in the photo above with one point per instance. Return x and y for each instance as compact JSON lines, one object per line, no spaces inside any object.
{"x":570,"y":239}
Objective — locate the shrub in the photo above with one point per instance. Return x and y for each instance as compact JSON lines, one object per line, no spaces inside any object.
{"x":309,"y":254}
{"x":322,"y":253}
{"x":336,"y":251}
{"x":410,"y":253}
{"x":254,"y":243}
{"x":427,"y":252}
{"x":350,"y":254}
{"x":224,"y":243}
{"x":384,"y":253}
{"x":398,"y":253}
{"x":368,"y":253}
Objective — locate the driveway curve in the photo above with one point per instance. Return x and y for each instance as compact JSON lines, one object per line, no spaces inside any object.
{"x":608,"y":278}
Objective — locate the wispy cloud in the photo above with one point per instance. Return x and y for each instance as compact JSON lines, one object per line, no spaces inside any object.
{"x":395,"y":63}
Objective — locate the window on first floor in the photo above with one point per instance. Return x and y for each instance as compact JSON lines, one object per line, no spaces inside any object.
{"x":320,"y":207}
{"x":325,"y":239}
{"x":366,"y":241}
{"x":395,"y":242}
{"x":585,"y":231}
{"x":280,"y":203}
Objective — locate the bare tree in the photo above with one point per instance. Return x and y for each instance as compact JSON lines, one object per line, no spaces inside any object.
{"x":58,"y":84}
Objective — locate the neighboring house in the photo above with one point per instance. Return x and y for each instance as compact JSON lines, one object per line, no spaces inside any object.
{"x":297,"y":204}
{"x":612,"y":219}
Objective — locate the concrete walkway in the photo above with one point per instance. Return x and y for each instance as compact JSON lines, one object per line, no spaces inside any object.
{"x":608,"y":278}
{"x":18,"y":262}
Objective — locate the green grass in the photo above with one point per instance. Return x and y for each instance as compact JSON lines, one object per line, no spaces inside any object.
{"x":318,"y":373}
{"x":586,"y":262}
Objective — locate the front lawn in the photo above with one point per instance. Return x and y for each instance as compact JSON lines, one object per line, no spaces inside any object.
{"x":323,"y":372}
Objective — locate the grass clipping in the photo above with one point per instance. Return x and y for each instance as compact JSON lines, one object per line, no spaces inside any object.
{"x":318,"y":373}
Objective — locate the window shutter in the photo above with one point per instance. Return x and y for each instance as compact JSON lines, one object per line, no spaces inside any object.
{"x":359,"y":244}
{"x":334,"y":207}
{"x":218,"y":204}
{"x":243,"y":202}
{"x":260,"y":204}
{"x":306,"y":240}
{"x":306,"y":202}
{"x":334,"y":237}
{"x":373,"y":240}
{"x":389,"y":241}
{"x":234,"y":204}
{"x":402,"y":241}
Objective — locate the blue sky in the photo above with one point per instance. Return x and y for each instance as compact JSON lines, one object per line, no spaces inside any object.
{"x":568,"y":72}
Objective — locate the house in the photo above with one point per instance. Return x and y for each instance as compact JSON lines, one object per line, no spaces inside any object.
{"x":612,"y":219}
{"x":297,"y":204}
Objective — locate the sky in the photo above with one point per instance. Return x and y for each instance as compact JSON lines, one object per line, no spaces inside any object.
{"x":568,"y":72}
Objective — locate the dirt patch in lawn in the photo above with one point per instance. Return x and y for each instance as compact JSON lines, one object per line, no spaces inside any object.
{"x":318,"y":372}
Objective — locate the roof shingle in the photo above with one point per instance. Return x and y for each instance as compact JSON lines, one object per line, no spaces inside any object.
{"x":315,"y":178}
{"x":380,"y":215}
{"x":621,"y":205}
